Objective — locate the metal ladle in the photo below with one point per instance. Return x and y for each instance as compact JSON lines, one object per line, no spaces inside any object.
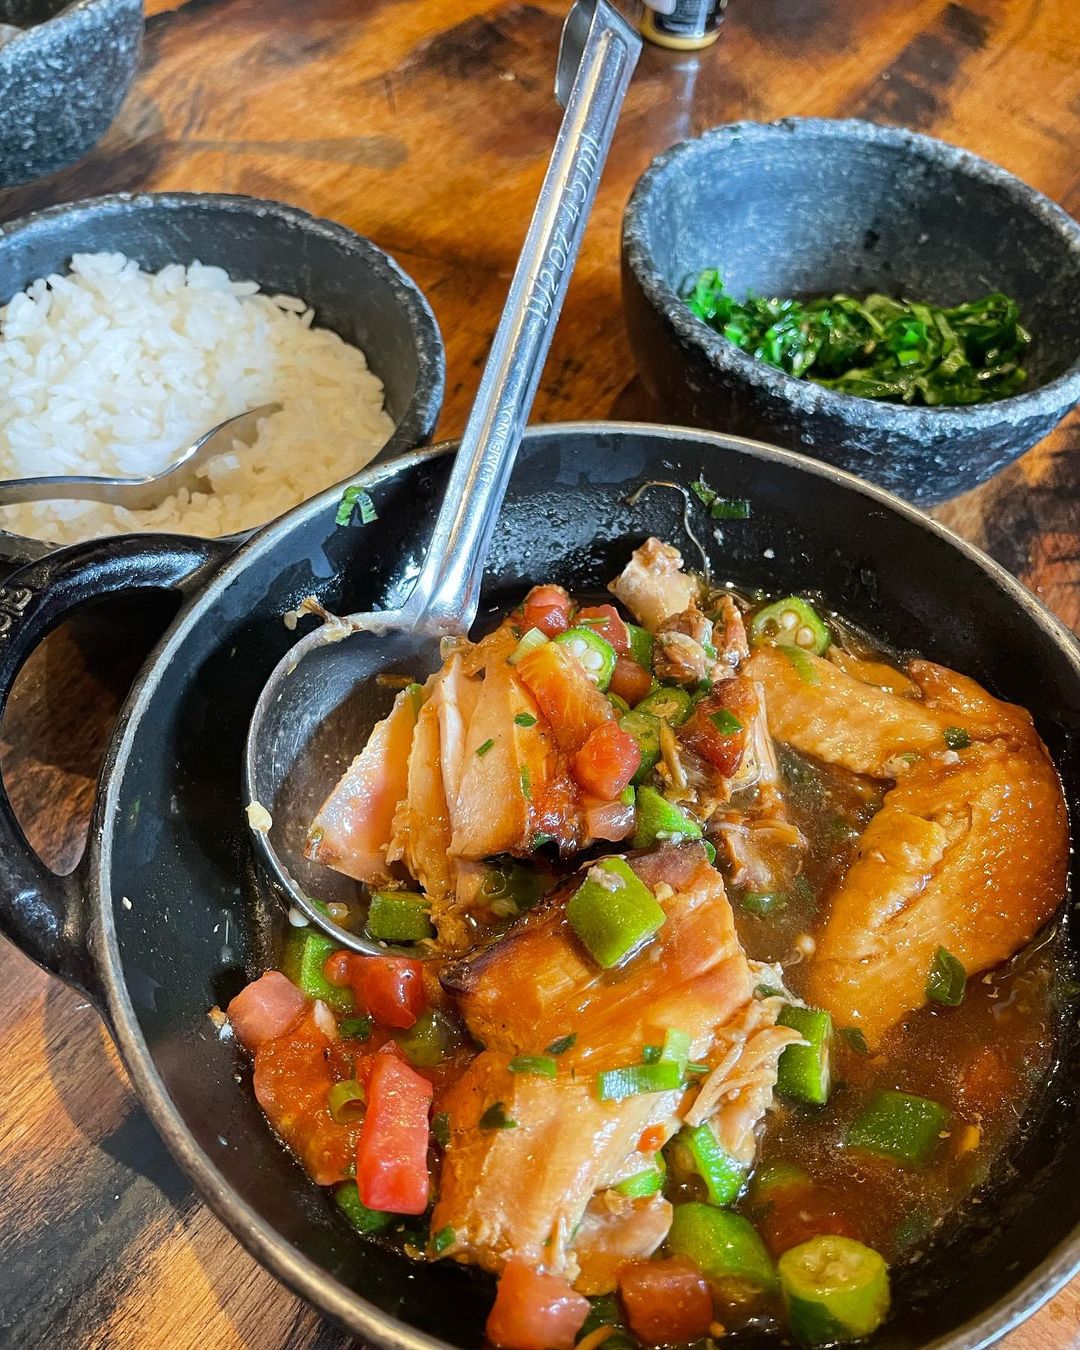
{"x":289,"y":740}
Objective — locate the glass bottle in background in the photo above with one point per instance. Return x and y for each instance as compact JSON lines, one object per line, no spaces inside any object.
{"x":684,"y":25}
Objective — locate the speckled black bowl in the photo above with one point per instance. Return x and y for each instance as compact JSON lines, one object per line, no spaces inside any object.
{"x":812,"y":206}
{"x":63,"y":77}
{"x":355,"y":288}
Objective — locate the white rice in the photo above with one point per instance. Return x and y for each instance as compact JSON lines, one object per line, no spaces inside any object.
{"x":111,"y":370}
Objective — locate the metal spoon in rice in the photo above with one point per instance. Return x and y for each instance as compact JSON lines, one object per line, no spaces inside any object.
{"x":325,"y":692}
{"x":188,"y":470}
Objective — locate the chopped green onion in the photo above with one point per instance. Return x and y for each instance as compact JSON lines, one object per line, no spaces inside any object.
{"x":856,"y":1039}
{"x":346,"y":1101}
{"x":444,"y":1238}
{"x":956,"y":738}
{"x":710,"y":850}
{"x":804,"y":1072}
{"x":355,"y":499}
{"x":701,"y":1152}
{"x":564,"y":1043}
{"x":723,"y":1245}
{"x":440,"y":1128}
{"x":767,"y":991}
{"x":613,"y":912}
{"x":481,"y":750}
{"x":790,"y":622}
{"x":529,"y":643}
{"x":495,"y":1118}
{"x":650,"y":1054}
{"x":834,"y":1289}
{"x":399,"y":916}
{"x":541,"y":1066}
{"x":356,"y":1028}
{"x":900,"y":1126}
{"x":726,"y":723}
{"x":657,"y":819}
{"x":364,"y":1220}
{"x":539,"y":839}
{"x":416,"y":693}
{"x":804,"y":667}
{"x":947,"y":980}
{"x":525,"y":779}
{"x":613,"y":1085}
{"x":720,"y":508}
{"x":676,"y":1048}
{"x":525,"y":720}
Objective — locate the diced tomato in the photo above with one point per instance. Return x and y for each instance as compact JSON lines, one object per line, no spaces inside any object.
{"x":718,"y":728}
{"x":629,"y":680}
{"x":391,"y":1153}
{"x":571,"y":703}
{"x":533,"y":1311}
{"x":606,"y":622}
{"x":653,"y":1138}
{"x":796,"y":1214}
{"x":666,"y":1302}
{"x":293,"y":1075}
{"x":269,"y":1006}
{"x":389,"y":988}
{"x":607,"y":761}
{"x":547,"y":608}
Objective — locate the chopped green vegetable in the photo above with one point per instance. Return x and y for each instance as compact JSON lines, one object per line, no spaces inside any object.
{"x":701,"y":1152}
{"x":710,"y":850}
{"x":644,"y":1183}
{"x":641,"y":645}
{"x":658,"y":819}
{"x":596,"y":655}
{"x":670,"y":705}
{"x":804,"y":1071}
{"x":539,"y":839}
{"x":762,"y":903}
{"x":306,"y":953}
{"x":416,"y":693}
{"x":613,"y":912}
{"x":540,"y":1066}
{"x":356,"y":1028}
{"x":525,"y":778}
{"x":834,"y":1289}
{"x":956,"y":738}
{"x":525,"y":720}
{"x":790,"y":622}
{"x":440,"y":1128}
{"x":723,"y":1245}
{"x":720,"y":508}
{"x":899,"y":1125}
{"x":356,"y":500}
{"x":804,"y":667}
{"x":613,"y":1085}
{"x":772,"y":1178}
{"x":726,"y":723}
{"x":879,"y":348}
{"x":364,"y":1220}
{"x":444,"y":1238}
{"x":346,"y":1101}
{"x":495,"y":1118}
{"x":619,"y":704}
{"x":947,"y":980}
{"x":399,"y":916}
{"x":855,"y":1038}
{"x":564,"y":1043}
{"x":529,"y":643}
{"x":426,"y":1042}
{"x":645,"y":729}
{"x":481,"y":750}
{"x":676,"y":1049}
{"x":510,"y":889}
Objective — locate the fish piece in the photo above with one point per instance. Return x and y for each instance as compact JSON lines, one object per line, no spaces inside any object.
{"x":572,"y":705}
{"x":521,"y":1192}
{"x":653,"y":586}
{"x":873,"y":672}
{"x":354,"y":826}
{"x":455,"y":699}
{"x":293,"y":1075}
{"x":823,"y":711}
{"x":613,"y":1231}
{"x":968,"y":852}
{"x":422,"y":821}
{"x":680,"y":652}
{"x":729,"y":634}
{"x":506,"y":768}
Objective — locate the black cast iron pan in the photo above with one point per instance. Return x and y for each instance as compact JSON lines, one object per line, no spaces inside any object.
{"x":166,"y":915}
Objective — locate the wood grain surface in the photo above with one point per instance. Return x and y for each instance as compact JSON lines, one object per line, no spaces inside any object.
{"x":425,"y":124}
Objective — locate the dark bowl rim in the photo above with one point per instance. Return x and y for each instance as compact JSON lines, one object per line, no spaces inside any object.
{"x":1052,"y":399}
{"x":71,"y":11}
{"x":418,"y":421}
{"x":301,"y":1274}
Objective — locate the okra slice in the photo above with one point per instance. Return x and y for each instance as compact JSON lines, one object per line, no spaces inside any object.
{"x":899,"y":1125}
{"x":670,"y":705}
{"x":804,"y":1073}
{"x":645,"y":729}
{"x":641,"y":645}
{"x":399,"y":916}
{"x":698,"y":1150}
{"x":306,"y":953}
{"x":364,"y":1220}
{"x":790,"y":622}
{"x":657,"y":820}
{"x":596,"y":655}
{"x":613,"y":912}
{"x":723,"y":1245}
{"x":834,"y":1289}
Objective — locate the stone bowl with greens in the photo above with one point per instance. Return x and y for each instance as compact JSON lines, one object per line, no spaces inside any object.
{"x":862,"y":294}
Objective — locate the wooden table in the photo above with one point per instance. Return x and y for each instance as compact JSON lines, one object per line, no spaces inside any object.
{"x":426,"y":124}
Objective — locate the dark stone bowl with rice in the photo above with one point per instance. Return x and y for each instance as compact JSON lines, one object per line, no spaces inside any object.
{"x":65,"y":68}
{"x":810,"y":207}
{"x":354,"y":289}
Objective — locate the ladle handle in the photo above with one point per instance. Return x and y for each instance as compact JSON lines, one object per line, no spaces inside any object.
{"x":446,"y":594}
